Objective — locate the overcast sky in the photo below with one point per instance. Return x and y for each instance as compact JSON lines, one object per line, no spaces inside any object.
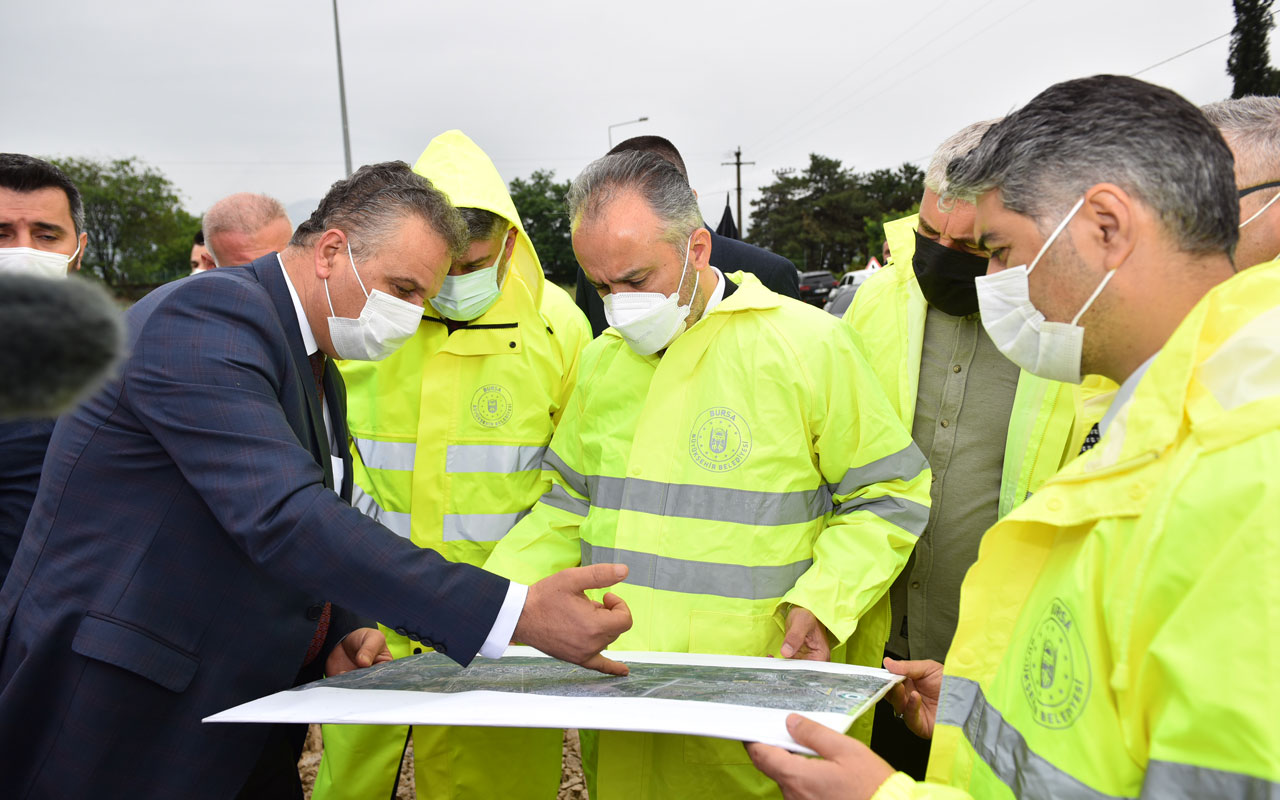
{"x":242,"y":96}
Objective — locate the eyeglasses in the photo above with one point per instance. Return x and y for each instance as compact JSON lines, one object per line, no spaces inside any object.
{"x":1246,"y":192}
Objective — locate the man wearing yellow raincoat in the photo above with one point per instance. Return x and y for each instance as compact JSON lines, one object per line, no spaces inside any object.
{"x":733,"y":448}
{"x":1112,"y":628}
{"x":448,"y":439}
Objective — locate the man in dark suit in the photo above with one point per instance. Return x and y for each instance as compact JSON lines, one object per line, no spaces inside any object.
{"x":774,"y":271}
{"x":187,"y":538}
{"x":41,"y":212}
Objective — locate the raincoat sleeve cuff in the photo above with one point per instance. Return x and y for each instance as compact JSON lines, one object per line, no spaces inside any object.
{"x":505,"y":625}
{"x":900,"y":786}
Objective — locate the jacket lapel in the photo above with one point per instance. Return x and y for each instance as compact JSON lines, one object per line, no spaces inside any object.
{"x":271,"y":275}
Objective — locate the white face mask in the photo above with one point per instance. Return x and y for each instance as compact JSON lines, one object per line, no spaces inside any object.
{"x":649,"y":321}
{"x":384,"y":324}
{"x":1048,"y":349}
{"x":29,"y":261}
{"x":466,"y":297}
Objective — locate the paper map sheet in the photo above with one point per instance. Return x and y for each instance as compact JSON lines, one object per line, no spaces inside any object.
{"x":728,"y":697}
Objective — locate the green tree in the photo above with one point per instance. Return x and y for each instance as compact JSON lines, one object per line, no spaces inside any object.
{"x":1249,"y":62}
{"x":541,"y":203}
{"x":821,"y":218}
{"x":139,"y":234}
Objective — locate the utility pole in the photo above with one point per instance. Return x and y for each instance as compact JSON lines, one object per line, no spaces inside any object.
{"x":738,"y":162}
{"x":342,"y":90}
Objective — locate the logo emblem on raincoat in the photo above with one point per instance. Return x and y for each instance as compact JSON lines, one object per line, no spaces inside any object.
{"x":720,"y":440}
{"x":1056,"y":678}
{"x":491,"y":405}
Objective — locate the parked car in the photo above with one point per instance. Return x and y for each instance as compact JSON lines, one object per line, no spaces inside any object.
{"x":839,"y":298}
{"x":815,"y":286}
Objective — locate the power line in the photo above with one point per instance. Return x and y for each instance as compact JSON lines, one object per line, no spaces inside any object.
{"x":1179,"y":55}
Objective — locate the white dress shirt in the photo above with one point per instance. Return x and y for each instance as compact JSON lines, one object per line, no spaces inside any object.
{"x":513,"y":605}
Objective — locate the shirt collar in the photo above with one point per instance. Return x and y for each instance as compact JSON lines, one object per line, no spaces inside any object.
{"x":717,"y":294}
{"x":1125,"y":393}
{"x":308,"y":338}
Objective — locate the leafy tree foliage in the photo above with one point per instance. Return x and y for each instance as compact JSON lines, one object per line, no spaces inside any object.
{"x":540,"y":199}
{"x":139,"y":234}
{"x":820,"y":218}
{"x":1249,"y":63}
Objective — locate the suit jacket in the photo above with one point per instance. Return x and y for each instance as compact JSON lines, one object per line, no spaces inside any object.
{"x":181,"y":543}
{"x":729,"y":255}
{"x":22,"y":447}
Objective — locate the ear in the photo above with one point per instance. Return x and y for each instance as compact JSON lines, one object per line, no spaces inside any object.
{"x":700,"y":249}
{"x":74,"y":266}
{"x":330,"y":245}
{"x":511,"y":243}
{"x":206,"y":260}
{"x":1115,"y":223}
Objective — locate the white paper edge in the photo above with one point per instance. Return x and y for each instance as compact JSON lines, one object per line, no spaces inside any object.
{"x":503,"y":709}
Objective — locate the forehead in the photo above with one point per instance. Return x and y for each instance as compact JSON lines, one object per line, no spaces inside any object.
{"x":955,"y":223}
{"x":623,"y":235}
{"x":992,"y":219}
{"x":43,"y":205}
{"x":414,"y":249}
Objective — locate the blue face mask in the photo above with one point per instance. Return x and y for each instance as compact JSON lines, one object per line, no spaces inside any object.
{"x":465,"y":297}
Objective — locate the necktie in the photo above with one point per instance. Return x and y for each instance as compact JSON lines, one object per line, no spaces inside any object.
{"x":1090,"y":439}
{"x":322,"y":625}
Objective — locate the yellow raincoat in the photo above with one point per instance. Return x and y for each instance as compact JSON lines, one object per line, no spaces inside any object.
{"x":755,"y":464}
{"x":449,"y":434}
{"x":1118,"y":633}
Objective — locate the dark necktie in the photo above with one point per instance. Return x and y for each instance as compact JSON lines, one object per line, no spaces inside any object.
{"x":322,"y":625}
{"x":1090,"y":439}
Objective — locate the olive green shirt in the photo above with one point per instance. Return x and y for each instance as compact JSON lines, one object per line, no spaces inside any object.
{"x":963,"y":404}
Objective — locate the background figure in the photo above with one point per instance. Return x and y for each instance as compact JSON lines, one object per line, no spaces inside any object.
{"x":242,"y":227}
{"x":201,"y":261}
{"x":63,"y":339}
{"x":774,"y":271}
{"x":992,"y":433}
{"x":1251,"y":126}
{"x":449,"y":434}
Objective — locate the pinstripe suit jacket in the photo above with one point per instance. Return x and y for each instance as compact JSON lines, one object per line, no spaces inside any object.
{"x":181,"y":541}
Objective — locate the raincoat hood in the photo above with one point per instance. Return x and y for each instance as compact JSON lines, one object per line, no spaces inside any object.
{"x":458,"y":167}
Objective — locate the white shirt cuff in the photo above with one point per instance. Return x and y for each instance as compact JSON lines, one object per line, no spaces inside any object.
{"x":505,"y":625}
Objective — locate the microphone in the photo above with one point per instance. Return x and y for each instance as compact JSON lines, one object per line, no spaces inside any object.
{"x":60,"y":340}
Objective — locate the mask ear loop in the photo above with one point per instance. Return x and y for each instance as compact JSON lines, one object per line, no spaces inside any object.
{"x":1093,"y":297}
{"x":688,"y":247}
{"x":1261,"y":210}
{"x":333,"y":313}
{"x":1053,"y":236}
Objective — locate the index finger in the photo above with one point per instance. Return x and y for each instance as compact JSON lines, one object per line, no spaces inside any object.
{"x":595,"y":576}
{"x":602,"y":663}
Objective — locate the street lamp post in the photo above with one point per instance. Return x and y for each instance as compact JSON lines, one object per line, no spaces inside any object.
{"x":342,"y":90}
{"x":617,"y":124}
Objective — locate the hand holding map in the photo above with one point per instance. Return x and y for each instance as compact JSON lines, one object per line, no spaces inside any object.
{"x":561,"y":621}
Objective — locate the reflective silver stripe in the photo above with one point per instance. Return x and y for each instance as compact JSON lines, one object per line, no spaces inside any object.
{"x":557,"y":497}
{"x":693,"y":501}
{"x":1003,"y":748}
{"x":699,"y":577}
{"x":386,"y":455}
{"x":905,"y":464}
{"x":906,"y":514}
{"x":576,"y":481}
{"x":491,"y":458}
{"x":1174,"y":780}
{"x":397,"y":521}
{"x":479,"y":527}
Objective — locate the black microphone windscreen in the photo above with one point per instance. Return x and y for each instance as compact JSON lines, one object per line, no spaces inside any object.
{"x":59,"y":341}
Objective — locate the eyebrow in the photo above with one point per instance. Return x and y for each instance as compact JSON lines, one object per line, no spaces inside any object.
{"x":51,"y":227}
{"x":626,"y":277}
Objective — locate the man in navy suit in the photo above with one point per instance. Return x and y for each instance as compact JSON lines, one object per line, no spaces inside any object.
{"x":188,"y":537}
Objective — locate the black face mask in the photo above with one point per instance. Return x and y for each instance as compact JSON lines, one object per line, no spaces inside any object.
{"x":946,"y":276}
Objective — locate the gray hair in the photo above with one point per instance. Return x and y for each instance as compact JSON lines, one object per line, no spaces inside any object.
{"x":1251,"y":126}
{"x":368,"y":205}
{"x":483,"y":224}
{"x":654,"y":178}
{"x":242,"y":212}
{"x":958,"y":144}
{"x":1144,"y":138}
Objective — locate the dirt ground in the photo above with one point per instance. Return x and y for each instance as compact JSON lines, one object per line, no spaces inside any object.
{"x":572,"y":784}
